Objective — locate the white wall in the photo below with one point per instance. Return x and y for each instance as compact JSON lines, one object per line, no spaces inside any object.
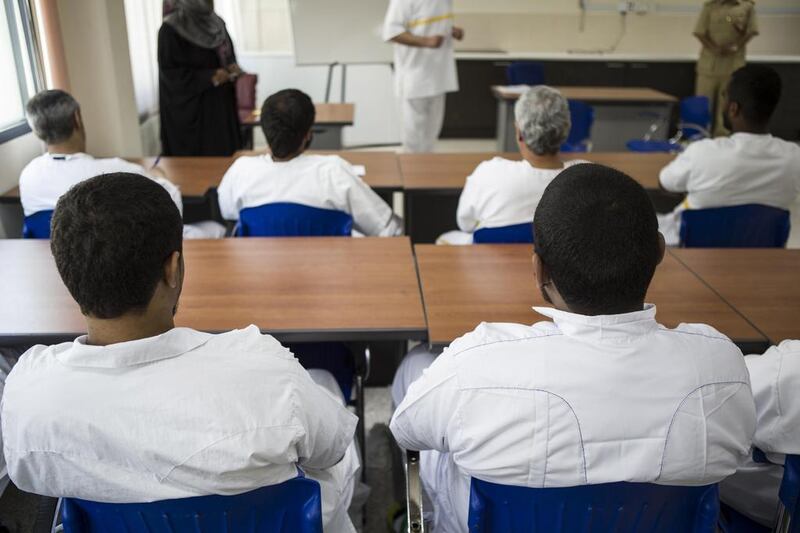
{"x":370,"y":87}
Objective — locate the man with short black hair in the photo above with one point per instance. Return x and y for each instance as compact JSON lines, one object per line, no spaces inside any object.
{"x":288,"y":174}
{"x":55,"y":117}
{"x":601,"y":394}
{"x":138,"y":410}
{"x":749,"y":167}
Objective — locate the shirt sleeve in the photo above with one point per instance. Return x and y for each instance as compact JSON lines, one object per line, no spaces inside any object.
{"x":172,"y":189}
{"x":701,"y":27}
{"x":467,"y":215}
{"x":328,"y":427}
{"x":371,"y":215}
{"x":396,"y":18}
{"x":675,"y":176}
{"x":228,"y":205}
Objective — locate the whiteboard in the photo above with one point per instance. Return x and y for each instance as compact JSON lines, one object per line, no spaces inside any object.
{"x":343,"y":31}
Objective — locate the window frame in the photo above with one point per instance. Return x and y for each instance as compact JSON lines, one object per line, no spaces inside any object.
{"x":21,"y":46}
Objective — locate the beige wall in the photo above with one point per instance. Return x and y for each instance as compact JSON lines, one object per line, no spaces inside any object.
{"x":652,"y":34}
{"x":96,"y":48}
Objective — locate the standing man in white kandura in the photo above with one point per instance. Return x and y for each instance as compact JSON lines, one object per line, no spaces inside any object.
{"x":425,"y":67}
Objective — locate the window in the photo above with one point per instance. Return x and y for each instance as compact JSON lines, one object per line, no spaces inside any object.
{"x":17,"y":67}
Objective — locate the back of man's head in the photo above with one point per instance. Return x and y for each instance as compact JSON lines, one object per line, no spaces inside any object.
{"x":757,"y":90}
{"x":597,"y":236}
{"x":51,"y":115}
{"x":286,"y":118}
{"x":111,"y":236}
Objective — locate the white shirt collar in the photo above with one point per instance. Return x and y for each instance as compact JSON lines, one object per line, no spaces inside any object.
{"x":173,"y":343}
{"x":604,"y":327}
{"x":67,"y":157}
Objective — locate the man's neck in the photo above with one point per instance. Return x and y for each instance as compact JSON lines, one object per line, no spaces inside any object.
{"x":287,"y":158}
{"x":547,"y":162}
{"x":754,"y":130}
{"x":129,"y":327}
{"x":69,"y":147}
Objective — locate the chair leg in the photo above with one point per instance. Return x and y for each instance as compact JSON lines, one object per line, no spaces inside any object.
{"x":783,"y":522}
{"x":362,"y":373}
{"x":416,"y":523}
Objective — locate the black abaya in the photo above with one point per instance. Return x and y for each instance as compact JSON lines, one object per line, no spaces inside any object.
{"x":196,"y":117}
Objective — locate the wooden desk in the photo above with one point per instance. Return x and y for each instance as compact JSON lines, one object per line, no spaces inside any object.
{"x":297,"y":289}
{"x":620,"y":114}
{"x":762,"y":284}
{"x":448,"y":172}
{"x":383,"y":168}
{"x":465,"y":285}
{"x":331,"y":118}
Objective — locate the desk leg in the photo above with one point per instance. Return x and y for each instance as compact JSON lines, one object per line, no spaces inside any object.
{"x":506,"y":132}
{"x":327,"y":138}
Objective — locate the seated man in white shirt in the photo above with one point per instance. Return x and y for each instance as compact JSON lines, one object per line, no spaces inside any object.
{"x":749,"y":167}
{"x":55,"y":117}
{"x":290,"y":175}
{"x":501,"y":192}
{"x":601,"y":394}
{"x":139,"y":410}
{"x":775,"y":380}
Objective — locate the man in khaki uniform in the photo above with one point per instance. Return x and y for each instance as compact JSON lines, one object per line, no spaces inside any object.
{"x":724,"y":27}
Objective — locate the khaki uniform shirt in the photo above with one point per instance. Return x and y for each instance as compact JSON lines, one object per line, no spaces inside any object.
{"x":725,"y":23}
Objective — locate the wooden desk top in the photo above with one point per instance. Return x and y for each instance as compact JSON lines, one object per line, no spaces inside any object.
{"x":465,"y":285}
{"x":598,"y":94}
{"x":450,"y":171}
{"x":383,"y":169}
{"x":762,"y":284}
{"x":298,"y":289}
{"x":331,"y":114}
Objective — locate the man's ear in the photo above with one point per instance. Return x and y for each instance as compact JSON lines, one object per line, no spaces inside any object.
{"x":78,"y":120}
{"x":540,"y":271}
{"x":173,"y":270}
{"x":734,"y":109}
{"x":662,"y":247}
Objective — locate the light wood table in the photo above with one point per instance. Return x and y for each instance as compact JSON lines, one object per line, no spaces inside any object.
{"x":331,"y":118}
{"x":621,"y":114}
{"x":762,"y":284}
{"x":448,"y":172}
{"x":304,"y":289}
{"x":463,"y":286}
{"x":383,"y":168}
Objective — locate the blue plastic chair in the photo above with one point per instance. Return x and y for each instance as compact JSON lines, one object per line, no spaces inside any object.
{"x":741,"y":226}
{"x":610,"y":507}
{"x":580,"y":134}
{"x":789,"y":495}
{"x":293,"y":220}
{"x":518,"y":233}
{"x":694,"y":125}
{"x":525,"y":73}
{"x":294,"y":506}
{"x":37,"y":225}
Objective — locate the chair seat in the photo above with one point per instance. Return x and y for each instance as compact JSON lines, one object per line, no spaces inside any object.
{"x":741,"y":226}
{"x":518,"y":233}
{"x":282,"y":219}
{"x":37,"y":225}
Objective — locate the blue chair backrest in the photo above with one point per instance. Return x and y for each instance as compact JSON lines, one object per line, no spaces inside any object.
{"x":518,"y":233}
{"x":294,"y":506}
{"x":37,"y":225}
{"x":606,"y":508}
{"x":695,"y":110}
{"x":740,"y":226}
{"x":582,"y":118}
{"x":293,"y":220}
{"x":525,"y":73}
{"x":790,"y":491}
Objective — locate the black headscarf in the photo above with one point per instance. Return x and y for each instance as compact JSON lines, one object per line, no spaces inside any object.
{"x":195,"y":21}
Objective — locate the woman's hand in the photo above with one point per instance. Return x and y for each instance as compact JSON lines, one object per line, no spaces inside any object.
{"x":234,"y":71}
{"x":220,"y":76}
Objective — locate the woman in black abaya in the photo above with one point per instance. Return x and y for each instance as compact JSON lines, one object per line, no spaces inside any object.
{"x":197,"y":75}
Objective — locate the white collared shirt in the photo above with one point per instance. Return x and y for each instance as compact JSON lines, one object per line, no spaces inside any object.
{"x":775,"y":379}
{"x":178,"y":415}
{"x":45,"y":179}
{"x":580,"y":400}
{"x":422,"y":72}
{"x":744,"y":168}
{"x":323,"y":181}
{"x":501,"y":193}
